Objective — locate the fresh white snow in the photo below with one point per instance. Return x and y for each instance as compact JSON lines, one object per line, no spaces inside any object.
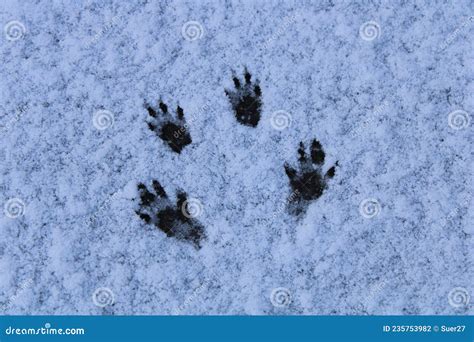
{"x":379,"y":106}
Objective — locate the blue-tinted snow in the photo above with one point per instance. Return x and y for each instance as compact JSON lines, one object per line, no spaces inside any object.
{"x":374,"y":81}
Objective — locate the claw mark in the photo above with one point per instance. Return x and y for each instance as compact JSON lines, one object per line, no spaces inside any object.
{"x":308,"y":183}
{"x":246,"y":100}
{"x":171,"y":130}
{"x":157,"y":209}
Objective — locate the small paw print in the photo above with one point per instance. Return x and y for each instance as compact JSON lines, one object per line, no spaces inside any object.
{"x":246,"y":100}
{"x":156,"y":208}
{"x":173,"y":131}
{"x":308,"y":183}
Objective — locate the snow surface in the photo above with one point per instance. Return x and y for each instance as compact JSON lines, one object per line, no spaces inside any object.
{"x":379,"y":104}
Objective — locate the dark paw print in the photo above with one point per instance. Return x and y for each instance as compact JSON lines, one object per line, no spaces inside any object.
{"x":308,"y":183}
{"x":174,"y":220}
{"x":171,"y":130}
{"x":246,"y":100}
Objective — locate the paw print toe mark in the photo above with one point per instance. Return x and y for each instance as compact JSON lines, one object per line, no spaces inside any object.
{"x":171,"y":130}
{"x":308,"y":181}
{"x":246,"y":100}
{"x":156,"y":208}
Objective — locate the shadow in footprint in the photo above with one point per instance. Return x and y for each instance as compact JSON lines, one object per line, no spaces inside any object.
{"x":174,"y":131}
{"x":174,"y":220}
{"x":308,"y":182}
{"x":246,"y":100}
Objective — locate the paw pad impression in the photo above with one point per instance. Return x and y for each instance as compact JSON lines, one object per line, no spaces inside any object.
{"x":246,"y":100}
{"x":308,"y":181}
{"x":173,"y":219}
{"x":172,"y":130}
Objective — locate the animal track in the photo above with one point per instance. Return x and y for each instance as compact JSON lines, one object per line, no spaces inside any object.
{"x":246,"y":100}
{"x":174,"y":220}
{"x":171,"y":130}
{"x":308,"y":183}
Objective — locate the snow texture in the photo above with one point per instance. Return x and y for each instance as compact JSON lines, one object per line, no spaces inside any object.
{"x":385,"y":87}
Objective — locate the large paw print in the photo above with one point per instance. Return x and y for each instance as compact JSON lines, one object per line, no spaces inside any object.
{"x":246,"y":100}
{"x":308,"y":183}
{"x":171,"y":130}
{"x":174,"y":220}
